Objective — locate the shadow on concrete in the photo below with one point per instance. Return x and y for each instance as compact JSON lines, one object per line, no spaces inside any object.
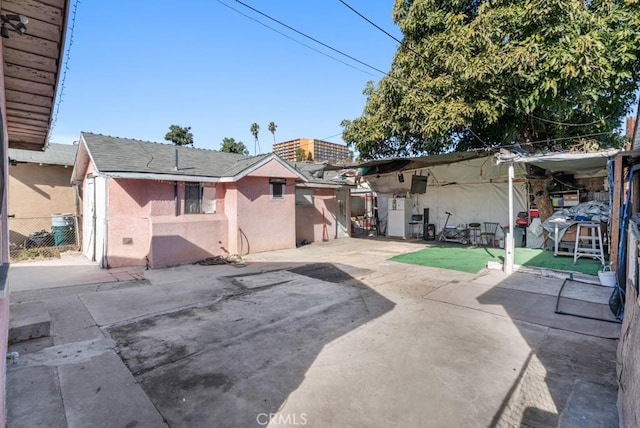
{"x":238,"y":358}
{"x":569,"y":377}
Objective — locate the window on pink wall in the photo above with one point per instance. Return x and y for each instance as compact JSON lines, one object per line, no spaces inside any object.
{"x":192,"y":198}
{"x":276,"y":188}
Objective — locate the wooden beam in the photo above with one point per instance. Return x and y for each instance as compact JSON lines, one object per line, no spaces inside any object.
{"x":618,"y":190}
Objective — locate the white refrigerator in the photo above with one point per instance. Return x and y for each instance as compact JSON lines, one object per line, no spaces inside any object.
{"x":398,"y":218}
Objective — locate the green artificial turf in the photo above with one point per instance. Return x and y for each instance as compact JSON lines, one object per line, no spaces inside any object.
{"x":473,"y":259}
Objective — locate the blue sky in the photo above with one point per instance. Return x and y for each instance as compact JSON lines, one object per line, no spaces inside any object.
{"x":137,"y":67}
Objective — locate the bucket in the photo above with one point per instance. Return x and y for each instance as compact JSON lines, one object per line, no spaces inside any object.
{"x":62,"y":229}
{"x":607,"y":278}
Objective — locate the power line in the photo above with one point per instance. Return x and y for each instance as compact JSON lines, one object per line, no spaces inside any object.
{"x":475,"y":89}
{"x":310,"y":38}
{"x":369,"y":21}
{"x":295,"y":40}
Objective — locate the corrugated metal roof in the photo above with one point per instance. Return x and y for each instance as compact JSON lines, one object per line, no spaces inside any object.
{"x":55,"y":154}
{"x":318,"y":174}
{"x":381,"y":166}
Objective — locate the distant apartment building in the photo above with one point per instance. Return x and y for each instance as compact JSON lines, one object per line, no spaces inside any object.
{"x":320,"y":150}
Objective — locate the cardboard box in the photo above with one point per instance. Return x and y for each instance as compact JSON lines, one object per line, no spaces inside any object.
{"x":570,"y":234}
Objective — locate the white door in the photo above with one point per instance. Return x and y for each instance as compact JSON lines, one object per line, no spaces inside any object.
{"x":342,"y":213}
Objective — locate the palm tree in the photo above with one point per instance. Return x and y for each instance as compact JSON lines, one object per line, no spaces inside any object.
{"x":272,"y":129}
{"x":255,"y":128}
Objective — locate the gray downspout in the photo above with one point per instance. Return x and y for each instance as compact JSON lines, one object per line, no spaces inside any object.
{"x":175,"y":198}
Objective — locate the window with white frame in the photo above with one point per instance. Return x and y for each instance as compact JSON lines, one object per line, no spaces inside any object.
{"x":276,"y":188}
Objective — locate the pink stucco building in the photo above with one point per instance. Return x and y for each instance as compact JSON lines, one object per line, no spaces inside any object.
{"x":164,"y":205}
{"x":28,"y":84}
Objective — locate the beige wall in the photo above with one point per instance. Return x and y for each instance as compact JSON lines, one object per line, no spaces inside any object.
{"x":39,"y":191}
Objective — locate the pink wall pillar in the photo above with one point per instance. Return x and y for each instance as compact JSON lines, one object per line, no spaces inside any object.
{"x":265,"y":224}
{"x":310,"y":223}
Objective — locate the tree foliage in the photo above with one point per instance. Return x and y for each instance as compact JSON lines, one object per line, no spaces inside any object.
{"x":479,"y":73}
{"x":179,"y":135}
{"x":230,"y":145}
{"x":255,"y":130}
{"x":272,"y":129}
{"x":300,"y":154}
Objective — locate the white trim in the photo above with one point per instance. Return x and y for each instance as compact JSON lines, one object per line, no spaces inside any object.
{"x":162,"y":177}
{"x":263,"y":162}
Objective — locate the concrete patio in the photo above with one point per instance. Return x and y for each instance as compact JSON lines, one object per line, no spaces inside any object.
{"x":329,"y":334}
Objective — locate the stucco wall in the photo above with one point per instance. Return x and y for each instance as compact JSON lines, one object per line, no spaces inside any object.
{"x":309,"y":219}
{"x":186,"y":239}
{"x":143,"y":223}
{"x":36,"y":191}
{"x":629,"y":344}
{"x":263,"y":224}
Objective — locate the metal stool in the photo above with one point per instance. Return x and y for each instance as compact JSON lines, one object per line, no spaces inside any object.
{"x":474,"y":233}
{"x":593,"y":242}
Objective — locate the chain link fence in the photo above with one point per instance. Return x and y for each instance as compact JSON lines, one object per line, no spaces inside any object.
{"x":43,"y":237}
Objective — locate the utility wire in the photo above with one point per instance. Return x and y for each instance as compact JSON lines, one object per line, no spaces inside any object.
{"x":477,"y":90}
{"x":310,"y":38}
{"x":295,"y":40}
{"x":369,"y":21}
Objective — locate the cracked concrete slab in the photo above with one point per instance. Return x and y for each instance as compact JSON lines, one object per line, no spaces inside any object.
{"x":349,"y":339}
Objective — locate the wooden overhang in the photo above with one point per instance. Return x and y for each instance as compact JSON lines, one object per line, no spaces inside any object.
{"x":32,"y":68}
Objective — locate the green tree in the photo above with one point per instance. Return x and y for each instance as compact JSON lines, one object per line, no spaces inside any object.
{"x":300,"y":154}
{"x":310,"y":156}
{"x":478,"y":73}
{"x":230,"y":145}
{"x":255,"y":129}
{"x":179,"y":135}
{"x":272,"y":129}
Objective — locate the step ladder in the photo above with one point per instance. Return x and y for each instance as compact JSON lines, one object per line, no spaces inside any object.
{"x":589,"y":244}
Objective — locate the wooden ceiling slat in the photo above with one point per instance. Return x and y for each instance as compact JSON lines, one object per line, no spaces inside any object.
{"x":30,"y":74}
{"x":31,"y":68}
{"x":21,"y":130}
{"x":26,"y":145}
{"x":27,"y":115}
{"x":21,"y":97}
{"x":33,"y":45}
{"x":30,"y":122}
{"x":13,"y":105}
{"x":27,"y":59}
{"x":13,"y":84}
{"x":34,"y":9}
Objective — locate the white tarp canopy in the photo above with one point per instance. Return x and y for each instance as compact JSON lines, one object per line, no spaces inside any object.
{"x":473,"y":191}
{"x":580,"y":163}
